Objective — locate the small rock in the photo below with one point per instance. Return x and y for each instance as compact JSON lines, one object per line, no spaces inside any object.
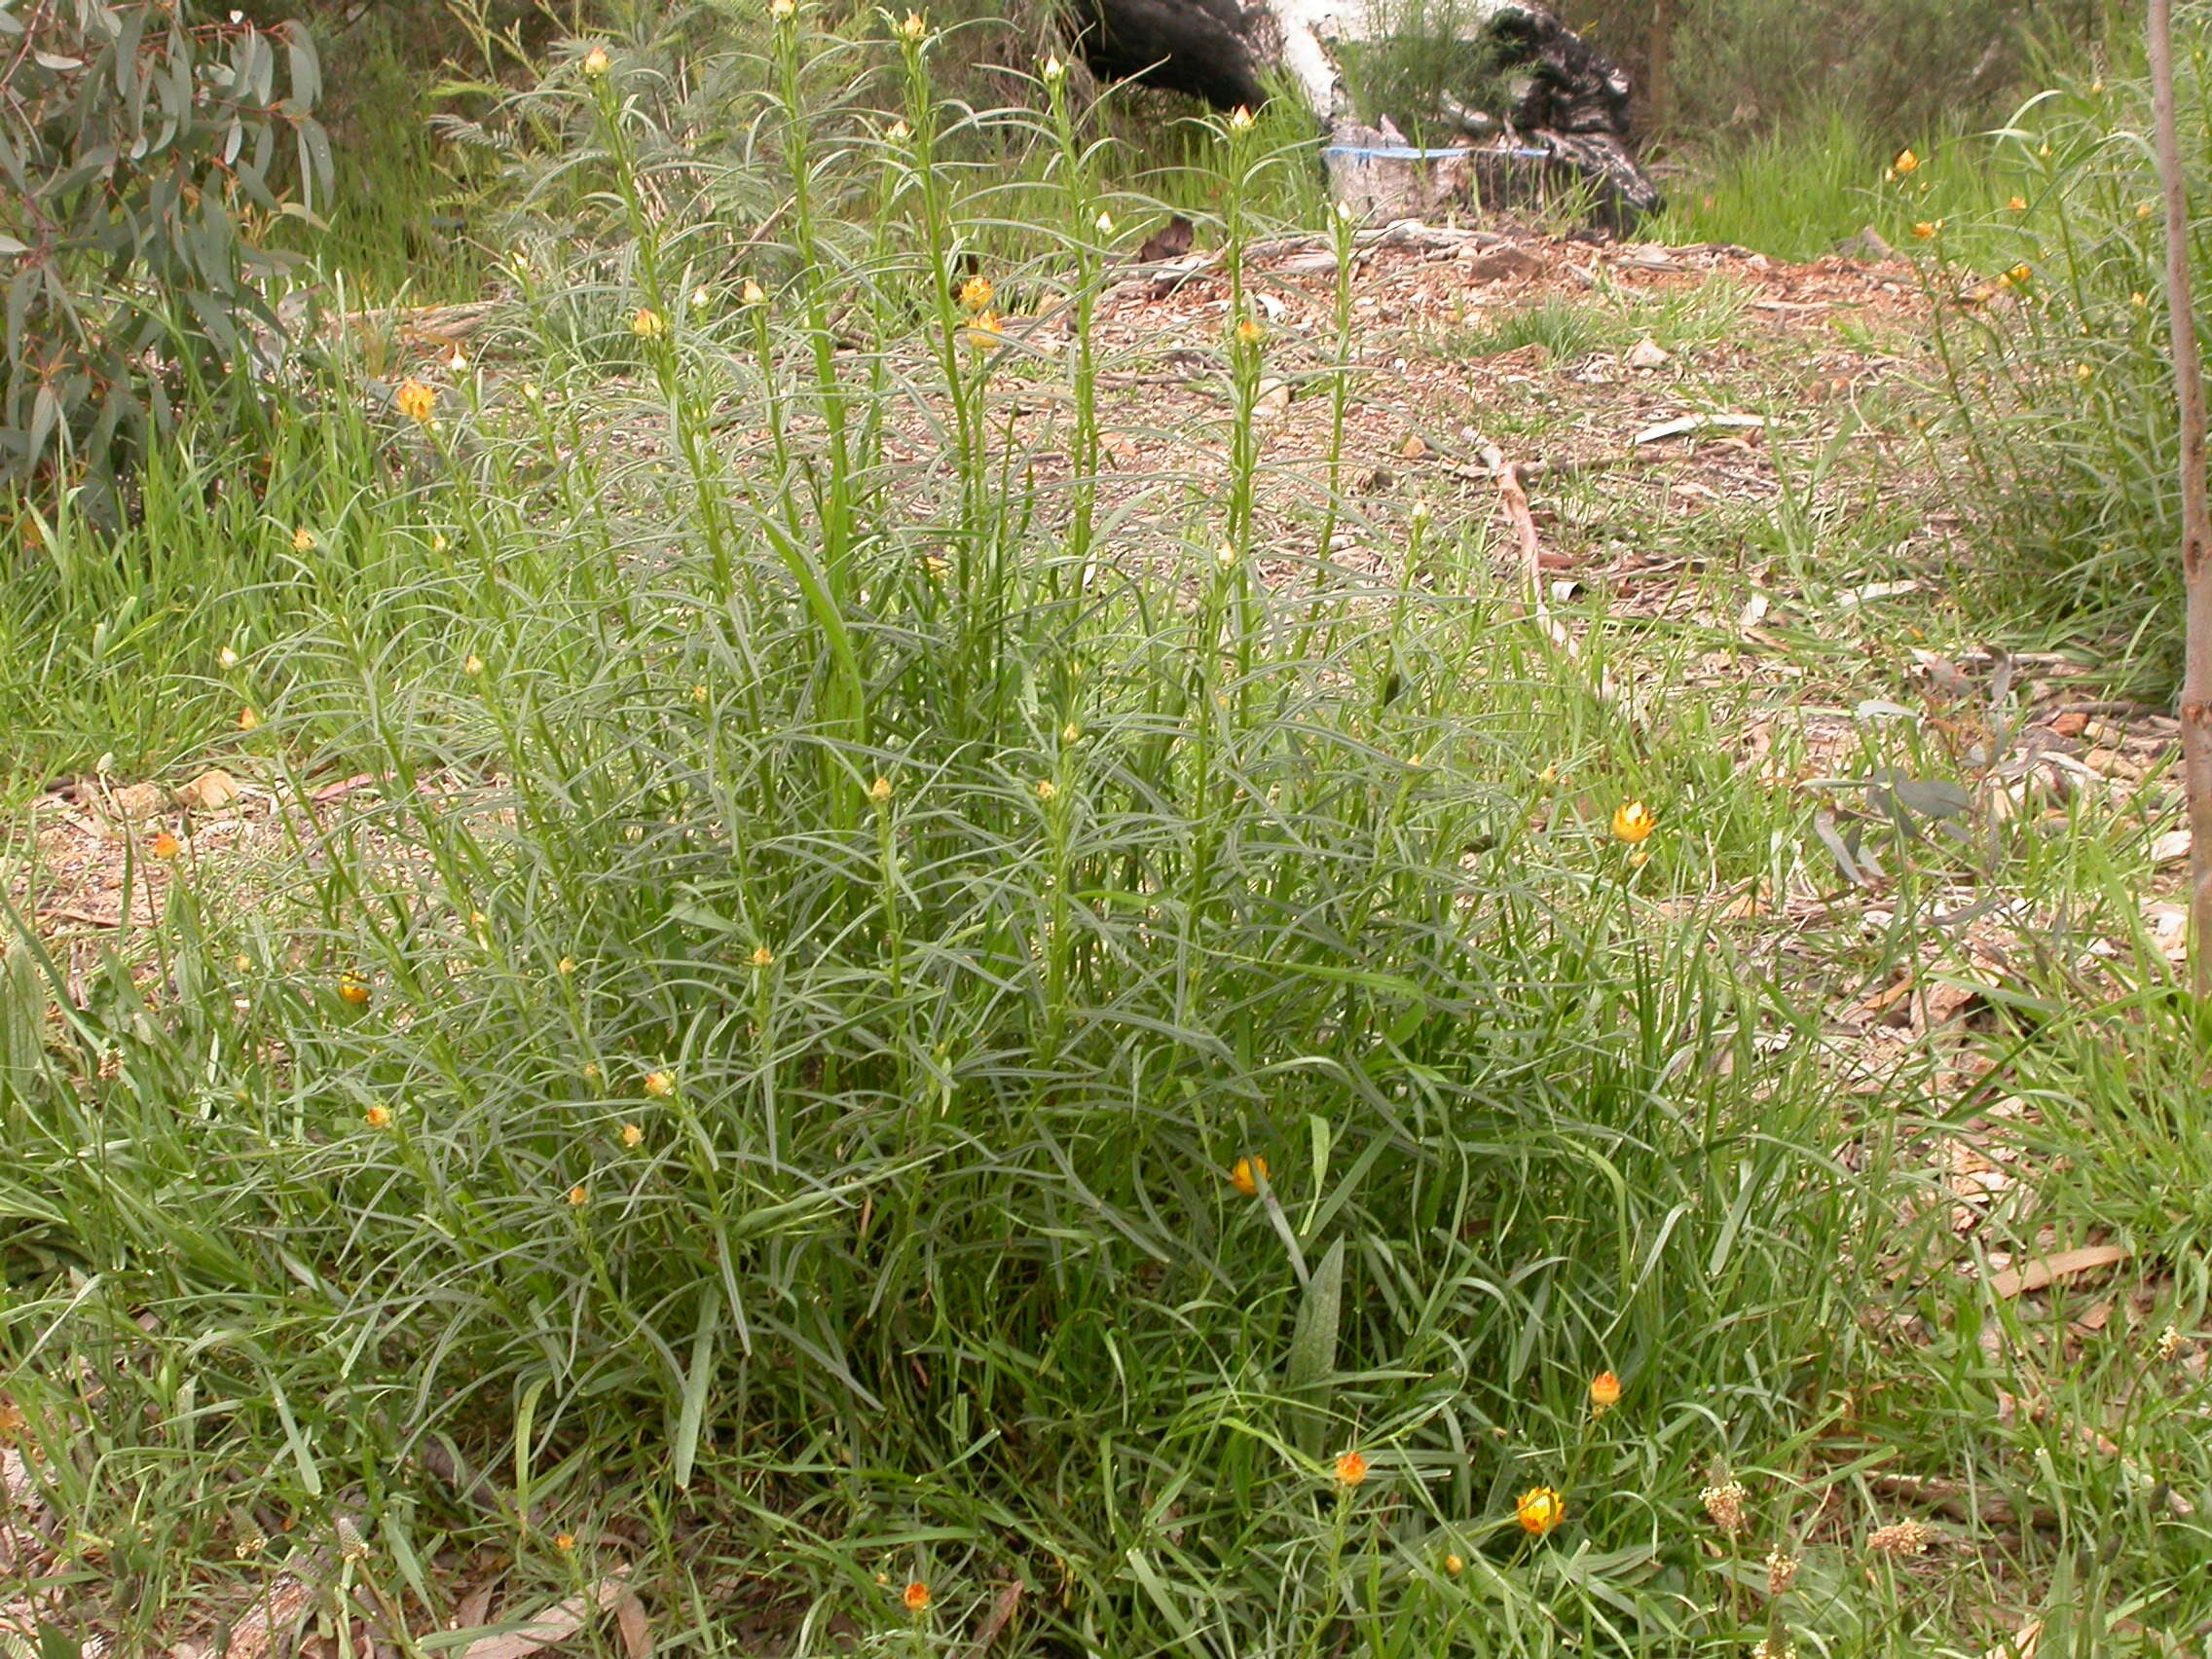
{"x":211,"y":790}
{"x":1270,"y":401}
{"x":1499,"y":264}
{"x":1415,"y":448}
{"x":2070,"y":725}
{"x":135,"y":803}
{"x":2171,"y":848}
{"x":1649,"y":355}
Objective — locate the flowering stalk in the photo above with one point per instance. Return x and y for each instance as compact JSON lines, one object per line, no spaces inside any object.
{"x":958,"y":325}
{"x":798,"y":163}
{"x":651,"y":323}
{"x":1088,"y":226}
{"x":825,"y":580}
{"x":1343,"y":243}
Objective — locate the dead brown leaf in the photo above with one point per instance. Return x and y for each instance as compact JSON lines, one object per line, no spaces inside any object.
{"x":211,"y":791}
{"x":2046,"y":1270}
{"x":555,"y":1624}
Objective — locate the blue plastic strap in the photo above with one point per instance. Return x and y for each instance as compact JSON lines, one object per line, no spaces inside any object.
{"x":1406,"y":153}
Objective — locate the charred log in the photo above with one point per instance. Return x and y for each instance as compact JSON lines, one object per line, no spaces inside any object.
{"x":1203,"y":47}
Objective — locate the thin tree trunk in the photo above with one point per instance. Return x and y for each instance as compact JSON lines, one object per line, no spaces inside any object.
{"x":2195,"y":516}
{"x":1659,"y":69}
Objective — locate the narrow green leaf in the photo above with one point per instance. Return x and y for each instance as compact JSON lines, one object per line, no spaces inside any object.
{"x":702,"y":1370}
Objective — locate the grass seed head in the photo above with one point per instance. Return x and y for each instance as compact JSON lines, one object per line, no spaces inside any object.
{"x":1781,"y":1573}
{"x":1724,"y":1506}
{"x":1903,"y":1538}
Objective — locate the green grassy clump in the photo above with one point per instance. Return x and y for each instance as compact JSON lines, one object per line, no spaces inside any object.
{"x":774,"y":1063}
{"x":1614,"y":323}
{"x":1804,"y":192}
{"x":878,"y":1005}
{"x":2052,"y":334}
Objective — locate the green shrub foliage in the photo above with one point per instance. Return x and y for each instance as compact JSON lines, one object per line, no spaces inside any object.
{"x":147,"y":151}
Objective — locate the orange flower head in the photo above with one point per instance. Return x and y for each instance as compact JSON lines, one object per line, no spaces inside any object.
{"x":917,"y":1597}
{"x":661,"y":1085}
{"x":165,"y":846}
{"x":1247,"y":1174}
{"x":1539,"y":1510}
{"x":1604,"y":1391}
{"x":416,"y":400}
{"x":1633,"y":823}
{"x":976,"y":295}
{"x":378,"y":1117}
{"x":352,"y":990}
{"x":984,"y":332}
{"x":1351,"y":1469}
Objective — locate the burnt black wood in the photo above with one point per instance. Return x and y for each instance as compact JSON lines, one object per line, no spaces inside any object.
{"x":1205,"y":48}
